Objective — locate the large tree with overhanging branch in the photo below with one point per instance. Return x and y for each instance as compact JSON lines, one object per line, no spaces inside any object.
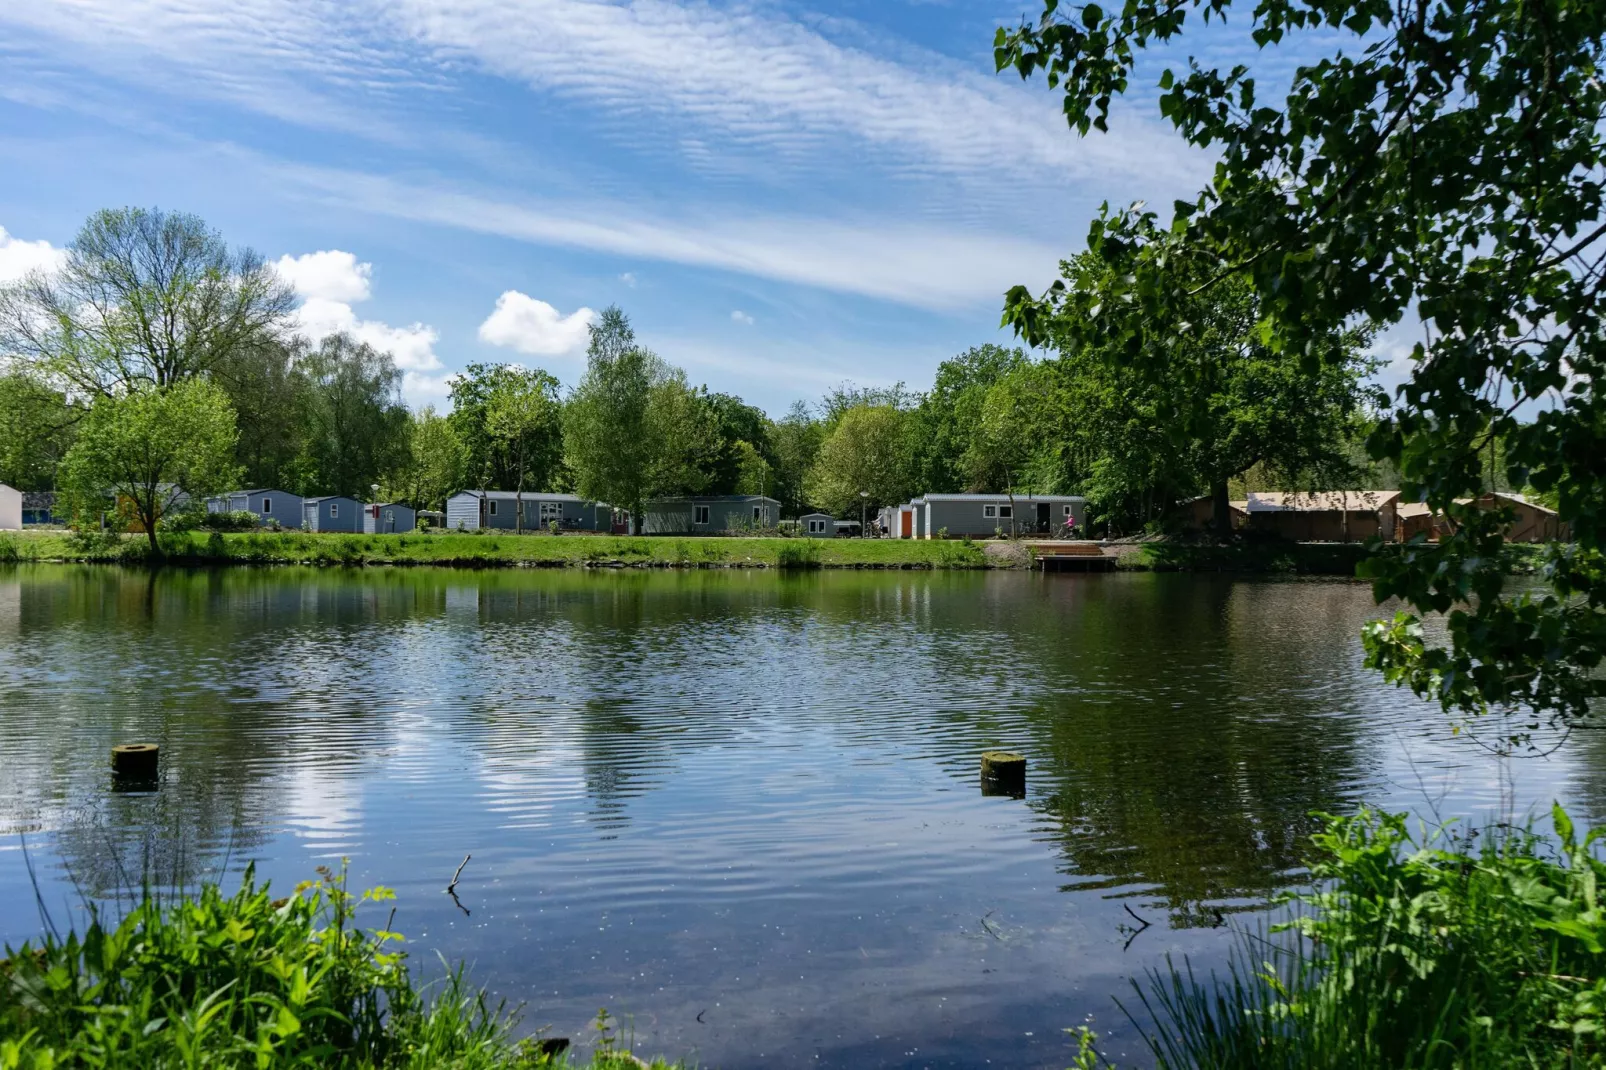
{"x":1445,"y":167}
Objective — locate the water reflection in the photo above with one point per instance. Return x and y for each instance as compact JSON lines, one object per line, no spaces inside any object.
{"x":742,"y":807}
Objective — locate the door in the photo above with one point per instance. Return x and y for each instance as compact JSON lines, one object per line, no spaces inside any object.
{"x":906,"y":519}
{"x":1043,"y":517}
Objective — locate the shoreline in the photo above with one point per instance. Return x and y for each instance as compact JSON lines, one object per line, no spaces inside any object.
{"x":618,"y":552}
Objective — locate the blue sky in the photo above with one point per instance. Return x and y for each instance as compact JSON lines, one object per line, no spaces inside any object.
{"x":781,"y":195}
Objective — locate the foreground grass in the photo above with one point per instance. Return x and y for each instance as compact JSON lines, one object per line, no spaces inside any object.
{"x":489,"y":551}
{"x":250,"y":981}
{"x":1420,"y":951}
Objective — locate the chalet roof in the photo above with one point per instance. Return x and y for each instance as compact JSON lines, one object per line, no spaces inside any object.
{"x":1323,"y":501}
{"x":1405,"y":509}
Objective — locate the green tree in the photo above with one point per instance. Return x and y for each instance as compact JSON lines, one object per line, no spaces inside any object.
{"x":1004,"y":441}
{"x":269,"y":395}
{"x":867,"y":451}
{"x":524,"y":417}
{"x":684,"y":432}
{"x":1445,"y":168}
{"x":151,"y":444}
{"x":795,"y":439}
{"x":144,"y":298}
{"x":352,"y":422}
{"x":37,"y":425}
{"x":434,"y":464}
{"x":609,"y":439}
{"x":945,"y":422}
{"x":743,"y":430}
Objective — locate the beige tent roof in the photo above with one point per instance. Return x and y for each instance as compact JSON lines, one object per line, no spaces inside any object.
{"x":1324,"y":501}
{"x":1510,"y":497}
{"x":1405,"y":509}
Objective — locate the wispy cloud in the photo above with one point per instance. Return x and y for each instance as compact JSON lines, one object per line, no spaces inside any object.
{"x":713,"y":83}
{"x":923,"y":265}
{"x":738,"y":316}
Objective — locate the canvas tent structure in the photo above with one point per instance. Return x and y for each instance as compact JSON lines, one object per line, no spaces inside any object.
{"x":1325,"y":516}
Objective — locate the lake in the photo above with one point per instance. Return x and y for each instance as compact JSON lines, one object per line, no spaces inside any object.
{"x":738,"y":809}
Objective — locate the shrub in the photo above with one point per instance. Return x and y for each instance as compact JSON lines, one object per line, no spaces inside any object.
{"x":803,"y":554}
{"x":9,"y":553}
{"x":234,"y":520}
{"x":243,"y":980}
{"x":1421,"y":951}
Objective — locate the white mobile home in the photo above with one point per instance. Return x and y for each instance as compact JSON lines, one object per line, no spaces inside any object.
{"x":985,"y":515}
{"x":386,"y":518}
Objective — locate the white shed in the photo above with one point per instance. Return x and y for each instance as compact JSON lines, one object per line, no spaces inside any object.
{"x":10,"y":508}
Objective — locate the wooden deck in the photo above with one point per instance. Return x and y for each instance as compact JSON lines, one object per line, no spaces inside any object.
{"x":1070,"y":557}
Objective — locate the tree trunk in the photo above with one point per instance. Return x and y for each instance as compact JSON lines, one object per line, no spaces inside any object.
{"x":1220,"y":509}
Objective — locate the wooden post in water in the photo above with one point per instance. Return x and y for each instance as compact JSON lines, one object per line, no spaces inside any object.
{"x":1003,"y":773}
{"x":136,"y":762}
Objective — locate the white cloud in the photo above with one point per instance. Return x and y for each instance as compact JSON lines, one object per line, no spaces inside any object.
{"x":739,"y":316}
{"x":18,"y":257}
{"x":532,"y":326}
{"x":331,"y":274}
{"x":628,"y":279}
{"x":329,"y":281}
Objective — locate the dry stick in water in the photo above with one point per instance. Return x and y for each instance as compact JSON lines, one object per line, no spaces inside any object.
{"x":453,"y":886}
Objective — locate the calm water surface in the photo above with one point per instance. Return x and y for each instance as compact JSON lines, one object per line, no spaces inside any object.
{"x":738,"y":809}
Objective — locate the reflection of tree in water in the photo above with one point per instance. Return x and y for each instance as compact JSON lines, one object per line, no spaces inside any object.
{"x":1197,"y":740}
{"x":212,"y":665}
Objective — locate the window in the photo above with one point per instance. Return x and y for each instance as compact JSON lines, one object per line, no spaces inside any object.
{"x":758,"y":512}
{"x":493,"y":508}
{"x":816,"y":526}
{"x":699,"y":514}
{"x":551,"y":511}
{"x":390,"y":516}
{"x":267,"y":505}
{"x":334,"y":510}
{"x":1067,"y":510}
{"x":1005,"y":512}
{"x":989,"y":511}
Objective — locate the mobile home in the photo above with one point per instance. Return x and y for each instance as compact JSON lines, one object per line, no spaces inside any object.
{"x":710,"y":513}
{"x":268,"y":505}
{"x":386,"y":518}
{"x":498,"y":510}
{"x":985,"y":515}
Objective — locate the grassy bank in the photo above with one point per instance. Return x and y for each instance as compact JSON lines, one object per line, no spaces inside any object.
{"x":1309,"y":559}
{"x":492,"y":551}
{"x":249,"y":980}
{"x":1414,"y":949}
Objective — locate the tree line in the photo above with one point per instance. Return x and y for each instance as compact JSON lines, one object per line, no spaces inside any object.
{"x":157,"y":355}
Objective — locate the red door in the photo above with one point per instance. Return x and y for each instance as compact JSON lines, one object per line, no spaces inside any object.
{"x":907,"y":518}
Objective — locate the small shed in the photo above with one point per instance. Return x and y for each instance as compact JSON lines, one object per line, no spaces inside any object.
{"x":388,"y":518}
{"x":10,"y":508}
{"x":817,"y":525}
{"x":1325,"y":516}
{"x":270,"y":506}
{"x":332,"y":512}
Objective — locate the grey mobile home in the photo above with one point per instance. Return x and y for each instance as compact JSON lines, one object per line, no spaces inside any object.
{"x":385,"y":518}
{"x":711,"y":513}
{"x":498,"y":510}
{"x":331,"y":513}
{"x":268,"y":505}
{"x":985,"y":515}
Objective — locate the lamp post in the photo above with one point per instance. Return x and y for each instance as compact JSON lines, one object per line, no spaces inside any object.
{"x":373,"y":504}
{"x":864,"y":503}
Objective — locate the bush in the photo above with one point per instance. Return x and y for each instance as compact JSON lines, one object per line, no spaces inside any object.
{"x":1413,"y":951}
{"x":9,"y":554}
{"x":239,"y":980}
{"x":800,"y":555}
{"x":235,"y":520}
